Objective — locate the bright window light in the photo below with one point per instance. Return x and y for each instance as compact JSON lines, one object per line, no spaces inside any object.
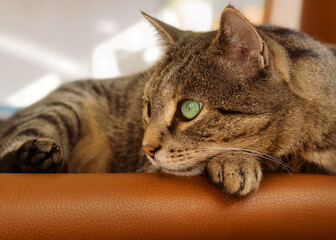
{"x":138,"y":37}
{"x":35,"y":91}
{"x":152,"y":54}
{"x":39,"y":55}
{"x":195,"y":15}
{"x":106,"y":27}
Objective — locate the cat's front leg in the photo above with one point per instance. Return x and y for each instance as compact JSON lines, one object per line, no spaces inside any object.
{"x":40,"y":155}
{"x":238,"y":174}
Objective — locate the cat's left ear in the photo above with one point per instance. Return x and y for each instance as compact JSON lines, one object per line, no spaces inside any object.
{"x":237,"y":33}
{"x":169,"y":34}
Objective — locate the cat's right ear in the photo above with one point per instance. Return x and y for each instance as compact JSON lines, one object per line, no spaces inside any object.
{"x":238,"y":35}
{"x":169,"y":34}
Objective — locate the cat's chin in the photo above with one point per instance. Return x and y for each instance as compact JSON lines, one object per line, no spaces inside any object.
{"x":197,"y":169}
{"x":192,"y":172}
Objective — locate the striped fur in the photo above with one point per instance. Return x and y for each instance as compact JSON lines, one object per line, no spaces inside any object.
{"x":268,"y":97}
{"x":96,"y":123}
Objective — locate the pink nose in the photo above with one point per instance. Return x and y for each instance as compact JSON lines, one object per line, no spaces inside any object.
{"x":149,"y":150}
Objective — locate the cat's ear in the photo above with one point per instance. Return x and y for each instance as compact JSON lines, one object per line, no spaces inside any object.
{"x":169,"y":34}
{"x":237,"y":33}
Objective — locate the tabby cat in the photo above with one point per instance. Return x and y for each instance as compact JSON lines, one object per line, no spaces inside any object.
{"x":230,"y":104}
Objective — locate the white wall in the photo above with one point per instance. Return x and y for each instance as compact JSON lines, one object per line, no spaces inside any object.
{"x":286,"y":13}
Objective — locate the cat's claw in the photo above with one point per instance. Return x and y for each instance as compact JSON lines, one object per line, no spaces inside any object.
{"x":238,"y":178}
{"x":39,"y":156}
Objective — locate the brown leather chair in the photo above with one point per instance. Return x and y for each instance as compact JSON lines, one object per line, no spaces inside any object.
{"x":154,"y":206}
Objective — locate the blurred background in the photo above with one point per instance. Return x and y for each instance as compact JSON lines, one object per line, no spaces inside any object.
{"x":44,"y":43}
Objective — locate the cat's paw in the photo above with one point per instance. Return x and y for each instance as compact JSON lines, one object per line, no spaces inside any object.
{"x":41,"y":155}
{"x":237,"y":176}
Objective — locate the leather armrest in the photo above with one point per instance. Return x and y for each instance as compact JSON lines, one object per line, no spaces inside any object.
{"x":154,"y":206}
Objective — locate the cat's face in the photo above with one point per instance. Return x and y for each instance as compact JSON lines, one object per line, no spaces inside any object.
{"x":209,"y":95}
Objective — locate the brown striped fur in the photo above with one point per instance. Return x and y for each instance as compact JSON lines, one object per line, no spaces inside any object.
{"x":93,"y":144}
{"x":268,"y":97}
{"x":96,"y":123}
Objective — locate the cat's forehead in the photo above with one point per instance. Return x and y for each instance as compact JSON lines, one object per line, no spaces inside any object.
{"x":185,"y":69}
{"x":193,"y":43}
{"x":170,"y":83}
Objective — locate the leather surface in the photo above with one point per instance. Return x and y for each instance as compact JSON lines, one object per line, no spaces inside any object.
{"x":154,"y":206}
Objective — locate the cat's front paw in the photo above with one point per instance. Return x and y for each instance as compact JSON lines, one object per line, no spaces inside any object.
{"x":41,"y":155}
{"x":237,"y":175}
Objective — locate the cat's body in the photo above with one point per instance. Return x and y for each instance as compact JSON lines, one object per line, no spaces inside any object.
{"x":98,"y":124}
{"x":264,"y":99}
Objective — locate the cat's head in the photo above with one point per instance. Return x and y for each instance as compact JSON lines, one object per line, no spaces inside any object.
{"x":210,"y":93}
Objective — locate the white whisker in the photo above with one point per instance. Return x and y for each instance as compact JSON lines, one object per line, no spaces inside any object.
{"x":152,"y":161}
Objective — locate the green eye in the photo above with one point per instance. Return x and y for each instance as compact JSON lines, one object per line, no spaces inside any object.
{"x":190,"y":109}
